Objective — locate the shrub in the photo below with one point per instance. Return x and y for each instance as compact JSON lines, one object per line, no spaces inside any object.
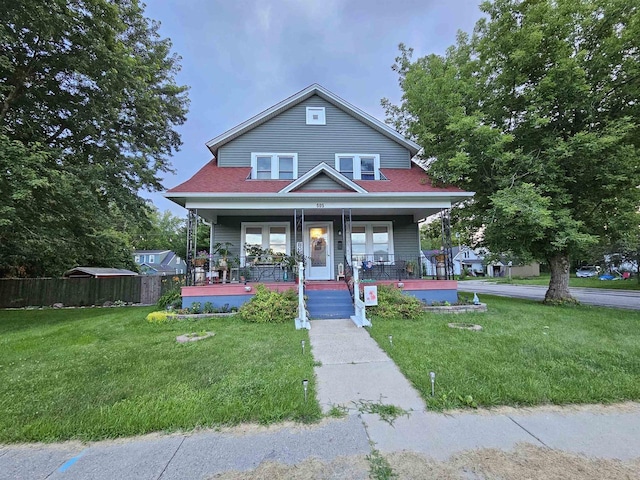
{"x":208,"y":308}
{"x":172,"y":298}
{"x":159,"y":317}
{"x":392,"y":303}
{"x":270,"y":307}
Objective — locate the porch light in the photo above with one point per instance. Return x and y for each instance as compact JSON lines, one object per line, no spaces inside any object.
{"x":400,"y":284}
{"x":432,"y":376}
{"x":305,"y":385}
{"x":339,"y":233}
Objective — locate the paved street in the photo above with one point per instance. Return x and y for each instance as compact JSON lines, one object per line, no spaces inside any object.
{"x":629,"y":299}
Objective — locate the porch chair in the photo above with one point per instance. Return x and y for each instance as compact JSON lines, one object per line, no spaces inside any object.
{"x":367,"y":268}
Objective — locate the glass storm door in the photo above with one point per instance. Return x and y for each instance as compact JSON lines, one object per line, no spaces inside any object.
{"x":318,"y":251}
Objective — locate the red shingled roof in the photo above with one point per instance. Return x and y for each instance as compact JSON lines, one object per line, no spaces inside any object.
{"x":214,"y":179}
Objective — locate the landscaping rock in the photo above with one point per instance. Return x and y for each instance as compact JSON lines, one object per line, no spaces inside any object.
{"x":108,"y":303}
{"x":193,"y":337}
{"x":466,"y":326}
{"x":58,"y":305}
{"x":456,"y":308}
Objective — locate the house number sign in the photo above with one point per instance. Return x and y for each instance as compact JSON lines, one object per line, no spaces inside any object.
{"x":319,"y":205}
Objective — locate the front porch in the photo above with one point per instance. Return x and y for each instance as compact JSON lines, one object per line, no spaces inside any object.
{"x":236,"y":294}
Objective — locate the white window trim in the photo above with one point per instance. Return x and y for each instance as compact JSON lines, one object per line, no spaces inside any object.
{"x":264,"y":225}
{"x":369,"y":240}
{"x":357,"y":164}
{"x":152,"y":259}
{"x":136,"y":259}
{"x":322,"y":117}
{"x":275,"y":164}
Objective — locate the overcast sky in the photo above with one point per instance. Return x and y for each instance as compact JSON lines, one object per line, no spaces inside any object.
{"x":240,"y":57}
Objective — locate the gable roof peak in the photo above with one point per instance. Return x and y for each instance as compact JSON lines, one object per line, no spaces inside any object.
{"x":323,"y":169}
{"x":322,"y":92}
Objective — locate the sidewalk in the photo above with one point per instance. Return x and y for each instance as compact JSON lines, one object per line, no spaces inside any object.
{"x":354,"y":369}
{"x":339,"y":444}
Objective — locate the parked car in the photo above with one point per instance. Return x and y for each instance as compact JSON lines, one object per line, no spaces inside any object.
{"x":587,"y":272}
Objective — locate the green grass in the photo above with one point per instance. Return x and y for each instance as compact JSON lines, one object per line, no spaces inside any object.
{"x":526,"y":354}
{"x":90,"y":374}
{"x":631,"y":284}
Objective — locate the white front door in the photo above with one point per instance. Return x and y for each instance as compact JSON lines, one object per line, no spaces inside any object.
{"x":318,"y":250}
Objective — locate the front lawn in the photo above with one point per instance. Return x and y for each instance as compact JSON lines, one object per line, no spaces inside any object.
{"x":106,"y":372}
{"x":526,"y":354}
{"x":630,"y":284}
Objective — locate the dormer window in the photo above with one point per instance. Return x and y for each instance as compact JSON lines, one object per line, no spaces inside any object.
{"x":359,"y":166}
{"x":274,"y":166}
{"x":316,"y":116}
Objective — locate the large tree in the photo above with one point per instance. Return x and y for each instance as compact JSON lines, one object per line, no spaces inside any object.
{"x":538,"y":113}
{"x":88,"y":110}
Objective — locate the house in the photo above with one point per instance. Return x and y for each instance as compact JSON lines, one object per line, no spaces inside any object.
{"x":316,"y":179}
{"x":159,"y":262}
{"x":466,"y":258}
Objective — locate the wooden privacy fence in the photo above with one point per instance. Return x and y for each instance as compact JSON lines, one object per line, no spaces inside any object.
{"x":77,"y":292}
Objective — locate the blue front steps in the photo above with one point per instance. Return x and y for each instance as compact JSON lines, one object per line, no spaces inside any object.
{"x":326,"y":304}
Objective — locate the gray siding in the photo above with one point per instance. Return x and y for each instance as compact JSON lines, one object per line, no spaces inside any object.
{"x":322,"y":182}
{"x":405,"y":239}
{"x":289,"y":133}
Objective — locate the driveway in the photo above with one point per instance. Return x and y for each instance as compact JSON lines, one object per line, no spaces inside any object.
{"x":629,"y":299}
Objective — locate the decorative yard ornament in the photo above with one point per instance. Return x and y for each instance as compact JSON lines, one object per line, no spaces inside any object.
{"x":476,"y":300}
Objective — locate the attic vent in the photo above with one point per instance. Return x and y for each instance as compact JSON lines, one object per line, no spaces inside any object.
{"x":316,"y":116}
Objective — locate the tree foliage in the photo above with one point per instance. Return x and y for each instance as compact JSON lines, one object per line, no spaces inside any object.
{"x":538,"y":113}
{"x":88,"y":109}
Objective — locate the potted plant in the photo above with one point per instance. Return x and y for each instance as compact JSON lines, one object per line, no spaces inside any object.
{"x":201,"y":258}
{"x":411,"y":267}
{"x":253,"y":252}
{"x":290,"y":262}
{"x":223,"y":250}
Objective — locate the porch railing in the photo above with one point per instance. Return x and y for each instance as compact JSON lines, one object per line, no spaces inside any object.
{"x":348,"y":276}
{"x":388,"y":267}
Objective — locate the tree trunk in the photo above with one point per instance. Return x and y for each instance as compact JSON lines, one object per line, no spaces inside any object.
{"x":558,"y":291}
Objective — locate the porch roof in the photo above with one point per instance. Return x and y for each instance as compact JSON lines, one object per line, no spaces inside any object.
{"x":214,"y":179}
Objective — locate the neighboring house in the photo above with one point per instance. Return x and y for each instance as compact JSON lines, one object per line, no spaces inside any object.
{"x":504,"y":268}
{"x":317,"y":176}
{"x":159,"y":262}
{"x":98,"y":272}
{"x":466,"y":258}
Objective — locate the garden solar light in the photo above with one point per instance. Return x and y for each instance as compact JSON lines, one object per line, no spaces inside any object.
{"x":391,"y":340}
{"x":303,"y":347}
{"x":305,"y":384}
{"x":432,"y":375}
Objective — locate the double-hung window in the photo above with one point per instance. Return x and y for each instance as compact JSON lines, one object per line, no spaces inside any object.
{"x":274,"y":166}
{"x":359,"y":166}
{"x":273,"y":236}
{"x":372,"y":242}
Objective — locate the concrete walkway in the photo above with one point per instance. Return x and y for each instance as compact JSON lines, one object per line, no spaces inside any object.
{"x":354,"y":369}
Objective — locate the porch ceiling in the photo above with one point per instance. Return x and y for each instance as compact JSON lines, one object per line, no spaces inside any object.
{"x":323,"y":204}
